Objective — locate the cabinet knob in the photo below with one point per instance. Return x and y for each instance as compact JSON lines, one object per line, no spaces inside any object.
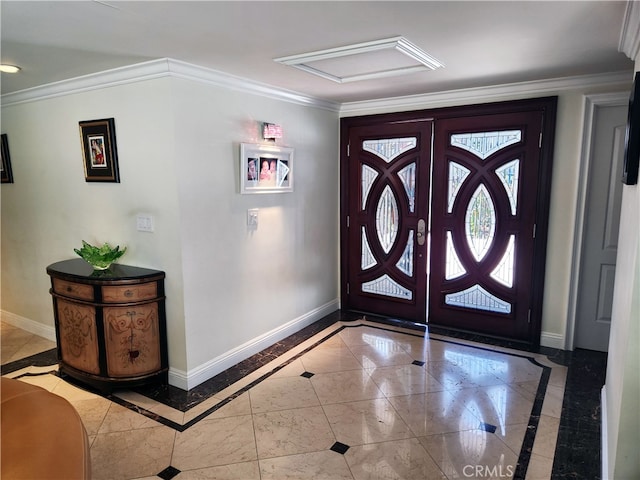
{"x":128,"y":293}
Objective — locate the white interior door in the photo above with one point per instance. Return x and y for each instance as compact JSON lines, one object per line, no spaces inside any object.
{"x":601,"y":225}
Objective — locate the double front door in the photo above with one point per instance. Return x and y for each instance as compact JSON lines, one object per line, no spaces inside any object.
{"x":442,"y":219}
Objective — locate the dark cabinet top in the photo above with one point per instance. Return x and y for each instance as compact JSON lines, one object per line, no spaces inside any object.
{"x":79,"y":269}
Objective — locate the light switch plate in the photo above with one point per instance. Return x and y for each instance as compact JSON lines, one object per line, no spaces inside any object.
{"x":144,"y":222}
{"x":252,"y":217}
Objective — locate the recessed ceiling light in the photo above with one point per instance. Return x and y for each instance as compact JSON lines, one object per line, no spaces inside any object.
{"x":9,"y":68}
{"x":364,"y":61}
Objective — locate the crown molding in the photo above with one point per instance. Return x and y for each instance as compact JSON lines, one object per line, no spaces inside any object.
{"x":165,"y":67}
{"x":630,"y":33}
{"x":474,"y":95}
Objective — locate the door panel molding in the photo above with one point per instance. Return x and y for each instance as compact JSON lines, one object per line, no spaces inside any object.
{"x":591,"y":103}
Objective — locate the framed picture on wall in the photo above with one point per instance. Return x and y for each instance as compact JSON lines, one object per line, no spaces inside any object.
{"x":99,"y":150}
{"x":265,"y":168}
{"x":5,"y":167}
{"x":632,"y":139}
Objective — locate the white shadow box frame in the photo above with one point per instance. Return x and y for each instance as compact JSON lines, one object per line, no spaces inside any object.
{"x":265,"y":168}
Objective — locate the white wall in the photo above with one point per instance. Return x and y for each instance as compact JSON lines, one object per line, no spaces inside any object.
{"x":230,"y":291}
{"x":241,"y":283}
{"x":621,"y":394}
{"x":50,"y":208}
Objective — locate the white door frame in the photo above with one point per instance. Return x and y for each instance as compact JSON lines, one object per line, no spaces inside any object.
{"x":590,"y":104}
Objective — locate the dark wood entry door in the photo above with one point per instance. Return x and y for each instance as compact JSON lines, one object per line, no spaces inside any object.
{"x":387,"y":219}
{"x":486,"y":176}
{"x":484,"y":202}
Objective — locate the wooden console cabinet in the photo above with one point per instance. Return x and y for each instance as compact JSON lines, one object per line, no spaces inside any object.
{"x":110,"y":325}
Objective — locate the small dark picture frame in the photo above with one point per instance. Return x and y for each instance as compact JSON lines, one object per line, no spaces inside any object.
{"x":5,"y":166}
{"x":99,"y":150}
{"x":632,"y":140}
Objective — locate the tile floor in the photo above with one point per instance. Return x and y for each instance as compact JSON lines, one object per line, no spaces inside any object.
{"x":356,"y":400}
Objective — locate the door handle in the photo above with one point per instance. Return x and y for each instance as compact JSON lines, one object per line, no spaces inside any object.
{"x":421,"y":231}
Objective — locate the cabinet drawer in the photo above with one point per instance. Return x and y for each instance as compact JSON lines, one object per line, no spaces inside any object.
{"x":73,"y":290}
{"x":129,"y":293}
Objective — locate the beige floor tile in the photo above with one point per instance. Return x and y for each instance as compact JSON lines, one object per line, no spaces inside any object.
{"x":215,"y":442}
{"x":48,"y":382}
{"x":325,"y":465}
{"x":92,"y":412}
{"x":293,"y":369}
{"x":539,"y":468}
{"x":434,"y":412}
{"x":398,"y":459}
{"x":282,"y":394}
{"x":404,"y":380}
{"x":34,"y":346}
{"x":121,"y":419}
{"x":558,"y":376}
{"x":152,"y":406}
{"x":7,"y":353}
{"x":471,"y":454}
{"x":72,"y":392}
{"x":546,"y":436}
{"x":131,"y":454}
{"x":497,"y":405}
{"x":236,"y":407}
{"x":460,"y":374}
{"x":433,"y":350}
{"x":519,"y":370}
{"x":528,"y":390}
{"x":235,"y":471}
{"x":13,"y":336}
{"x":514,"y":436}
{"x":361,"y":335}
{"x":289,"y":432}
{"x":346,"y":386}
{"x":335,"y":341}
{"x":381,"y":354}
{"x":330,"y":360}
{"x":552,"y":406}
{"x":368,"y":421}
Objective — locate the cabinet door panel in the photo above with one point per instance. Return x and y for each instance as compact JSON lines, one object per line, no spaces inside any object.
{"x":132,"y":341}
{"x":78,"y":336}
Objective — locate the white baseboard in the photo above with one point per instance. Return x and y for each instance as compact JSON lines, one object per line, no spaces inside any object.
{"x":552,"y":340}
{"x":194,"y":377}
{"x":604,"y":448}
{"x":31,"y":326}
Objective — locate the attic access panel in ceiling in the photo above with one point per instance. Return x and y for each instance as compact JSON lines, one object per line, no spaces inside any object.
{"x":364,"y":61}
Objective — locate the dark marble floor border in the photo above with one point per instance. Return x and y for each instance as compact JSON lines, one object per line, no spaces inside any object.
{"x":42,"y":359}
{"x":578,"y":450}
